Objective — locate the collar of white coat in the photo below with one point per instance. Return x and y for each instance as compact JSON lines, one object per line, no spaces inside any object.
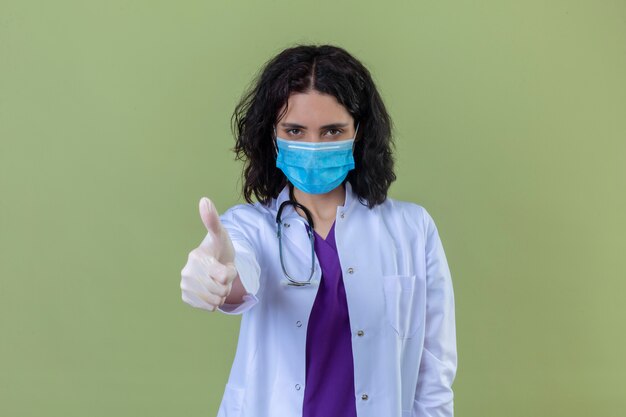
{"x":290,"y":211}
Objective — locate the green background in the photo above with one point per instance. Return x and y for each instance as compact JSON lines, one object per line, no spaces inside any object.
{"x":510,"y":122}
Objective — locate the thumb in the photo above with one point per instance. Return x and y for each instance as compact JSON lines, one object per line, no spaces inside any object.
{"x":209,"y":216}
{"x":217,"y":241}
{"x":212,"y":242}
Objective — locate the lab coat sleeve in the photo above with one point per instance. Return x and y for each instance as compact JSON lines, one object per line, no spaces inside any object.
{"x":245,"y":260}
{"x":434,"y":396}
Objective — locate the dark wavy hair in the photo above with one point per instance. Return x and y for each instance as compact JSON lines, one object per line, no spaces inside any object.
{"x":329,"y":70}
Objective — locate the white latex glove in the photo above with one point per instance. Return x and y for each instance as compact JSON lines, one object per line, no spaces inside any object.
{"x":210,"y":270}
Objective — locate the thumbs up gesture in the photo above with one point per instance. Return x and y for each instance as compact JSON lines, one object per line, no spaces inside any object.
{"x":206,"y":279}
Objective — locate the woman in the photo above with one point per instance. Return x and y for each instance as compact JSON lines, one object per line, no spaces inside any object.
{"x":345,"y":294}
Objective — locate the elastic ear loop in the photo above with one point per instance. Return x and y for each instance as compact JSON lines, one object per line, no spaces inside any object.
{"x":274,"y":143}
{"x":355,"y":132}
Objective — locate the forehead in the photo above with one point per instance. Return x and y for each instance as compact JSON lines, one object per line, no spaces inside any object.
{"x":314,"y":108}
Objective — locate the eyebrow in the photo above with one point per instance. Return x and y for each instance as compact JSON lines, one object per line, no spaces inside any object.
{"x":329,"y":126}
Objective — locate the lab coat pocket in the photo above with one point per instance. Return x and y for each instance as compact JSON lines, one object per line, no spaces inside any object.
{"x":232,"y":402}
{"x":400,"y":304}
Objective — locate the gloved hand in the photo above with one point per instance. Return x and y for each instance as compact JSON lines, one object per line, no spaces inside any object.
{"x":210,"y":270}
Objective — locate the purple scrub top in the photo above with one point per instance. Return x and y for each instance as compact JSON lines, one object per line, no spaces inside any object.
{"x":329,"y":387}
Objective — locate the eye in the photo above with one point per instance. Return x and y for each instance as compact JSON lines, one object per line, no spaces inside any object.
{"x":294,"y":132}
{"x":337,"y":132}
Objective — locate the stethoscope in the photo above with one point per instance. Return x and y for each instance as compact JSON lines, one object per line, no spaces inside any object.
{"x":292,"y":201}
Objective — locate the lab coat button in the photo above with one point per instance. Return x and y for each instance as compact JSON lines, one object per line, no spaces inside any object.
{"x":299,"y":323}
{"x":298,"y":387}
{"x":350,"y":270}
{"x":342,"y":215}
{"x":360,"y":333}
{"x":364,"y":397}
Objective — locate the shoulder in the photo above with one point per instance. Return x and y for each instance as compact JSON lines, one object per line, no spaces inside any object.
{"x":249,"y":216}
{"x":413,"y":216}
{"x":252,"y":212}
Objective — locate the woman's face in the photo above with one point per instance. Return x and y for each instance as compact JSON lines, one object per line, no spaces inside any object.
{"x":315,"y":117}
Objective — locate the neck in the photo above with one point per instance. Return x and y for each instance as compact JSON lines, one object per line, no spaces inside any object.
{"x":322,"y":206}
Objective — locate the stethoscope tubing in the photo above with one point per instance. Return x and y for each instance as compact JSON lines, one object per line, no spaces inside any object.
{"x":310,"y":231}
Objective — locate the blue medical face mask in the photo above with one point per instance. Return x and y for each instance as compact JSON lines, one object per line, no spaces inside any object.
{"x":315,"y":167}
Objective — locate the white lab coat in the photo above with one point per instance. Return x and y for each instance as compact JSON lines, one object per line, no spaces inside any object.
{"x":400,"y":302}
